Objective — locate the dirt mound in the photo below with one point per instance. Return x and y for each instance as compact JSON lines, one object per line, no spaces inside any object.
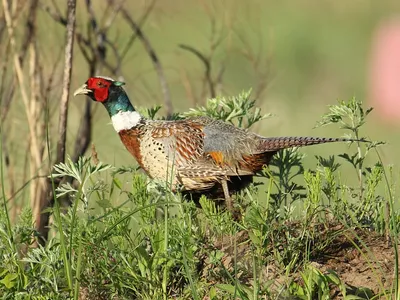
{"x":363,"y":260}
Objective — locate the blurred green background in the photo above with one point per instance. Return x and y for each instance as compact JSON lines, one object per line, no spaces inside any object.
{"x":298,"y":56}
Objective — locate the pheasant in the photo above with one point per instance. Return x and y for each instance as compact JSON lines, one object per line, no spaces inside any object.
{"x":197,"y":155}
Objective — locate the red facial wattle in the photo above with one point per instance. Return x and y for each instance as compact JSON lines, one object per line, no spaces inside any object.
{"x":101,"y":94}
{"x":99,"y":87}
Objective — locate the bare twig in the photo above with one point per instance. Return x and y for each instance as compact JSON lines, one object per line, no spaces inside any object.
{"x":140,"y":24}
{"x":259,"y":61}
{"x":59,"y":18}
{"x":98,"y":34}
{"x":30,"y":25}
{"x":56,"y":15}
{"x":218,"y":81}
{"x":153,"y":56}
{"x":67,"y":82}
{"x":207,"y":65}
{"x":111,"y":12}
{"x":188,"y":87}
{"x":211,"y":84}
{"x":58,"y":11}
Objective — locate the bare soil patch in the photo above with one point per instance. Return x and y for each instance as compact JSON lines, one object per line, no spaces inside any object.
{"x":360,"y":257}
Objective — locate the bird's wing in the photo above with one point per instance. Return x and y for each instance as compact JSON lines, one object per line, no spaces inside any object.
{"x":202,"y":146}
{"x":183,"y":142}
{"x":229,"y":146}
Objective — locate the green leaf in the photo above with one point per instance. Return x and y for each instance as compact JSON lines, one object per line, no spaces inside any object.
{"x":333,"y":278}
{"x":9,"y":280}
{"x":213,"y":293}
{"x":117,"y":183}
{"x":226,"y":287}
{"x":104,"y":203}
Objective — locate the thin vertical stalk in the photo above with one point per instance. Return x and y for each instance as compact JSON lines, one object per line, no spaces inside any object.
{"x":165,"y":272}
{"x":392,"y":228}
{"x":62,"y":126}
{"x":63,"y":245}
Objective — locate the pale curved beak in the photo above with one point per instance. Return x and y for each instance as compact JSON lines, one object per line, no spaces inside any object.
{"x":83,"y":90}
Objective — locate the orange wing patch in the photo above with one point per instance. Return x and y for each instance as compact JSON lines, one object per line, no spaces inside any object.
{"x":218,"y":157}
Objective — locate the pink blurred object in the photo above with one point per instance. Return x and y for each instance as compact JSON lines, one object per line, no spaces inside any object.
{"x":384,"y":73}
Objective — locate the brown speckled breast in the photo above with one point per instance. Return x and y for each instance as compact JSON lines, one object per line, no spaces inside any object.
{"x":131,"y":139}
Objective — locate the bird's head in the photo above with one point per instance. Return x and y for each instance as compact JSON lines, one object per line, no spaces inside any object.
{"x":101,"y":89}
{"x":107,"y":91}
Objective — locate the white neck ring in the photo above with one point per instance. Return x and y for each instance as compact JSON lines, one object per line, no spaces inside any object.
{"x":124,"y":120}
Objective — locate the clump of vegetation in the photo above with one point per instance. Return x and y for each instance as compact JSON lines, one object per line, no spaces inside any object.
{"x":135,"y":240}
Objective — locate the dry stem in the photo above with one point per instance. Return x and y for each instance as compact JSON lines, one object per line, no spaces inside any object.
{"x":62,"y":126}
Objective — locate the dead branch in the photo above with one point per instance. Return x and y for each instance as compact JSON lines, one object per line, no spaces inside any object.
{"x":111,"y":13}
{"x":55,"y":15}
{"x":66,"y":82}
{"x":188,"y":86}
{"x":91,"y":54}
{"x":216,"y":38}
{"x":207,"y":65}
{"x":140,"y":24}
{"x":153,"y":56}
{"x":99,"y":36}
{"x":259,"y":60}
{"x":30,"y":25}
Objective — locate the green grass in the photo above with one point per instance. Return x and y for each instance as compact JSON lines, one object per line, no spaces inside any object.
{"x":129,"y":237}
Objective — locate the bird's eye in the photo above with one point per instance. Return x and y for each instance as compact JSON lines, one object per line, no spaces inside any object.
{"x":100,"y":84}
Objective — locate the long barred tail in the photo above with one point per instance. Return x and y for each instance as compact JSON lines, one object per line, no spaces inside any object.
{"x":278,"y":143}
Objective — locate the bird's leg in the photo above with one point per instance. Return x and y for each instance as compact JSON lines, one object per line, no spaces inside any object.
{"x":228,"y":199}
